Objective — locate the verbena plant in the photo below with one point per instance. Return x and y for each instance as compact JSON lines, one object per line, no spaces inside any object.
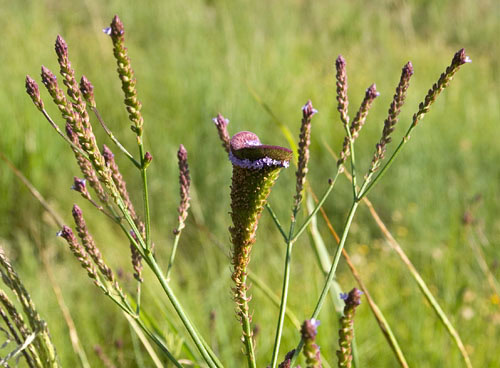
{"x":256,"y":167}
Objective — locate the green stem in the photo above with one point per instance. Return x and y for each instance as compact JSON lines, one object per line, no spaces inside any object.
{"x":59,"y":131}
{"x":144,"y":177}
{"x":316,"y":209}
{"x":276,"y":222}
{"x":158,"y":342}
{"x":332,"y":271}
{"x":353,"y":163}
{"x":113,"y":138}
{"x":245,"y":320}
{"x":138,"y":307}
{"x":273,"y":298}
{"x":367,"y":187}
{"x":180,"y":312}
{"x":286,"y":274}
{"x":172,"y":256}
{"x":284,"y":296}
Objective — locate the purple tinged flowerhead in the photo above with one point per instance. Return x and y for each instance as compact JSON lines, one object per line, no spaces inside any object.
{"x":87,"y":90}
{"x":117,"y":29}
{"x":308,"y":110}
{"x":461,"y":58}
{"x":34,"y":92}
{"x":248,"y":152}
{"x":371,"y":92}
{"x":309,"y":329}
{"x":220,"y":121}
{"x":107,"y":154}
{"x":79,"y":185}
{"x":66,"y":233}
{"x":107,"y":31}
{"x":49,"y":80}
{"x":340,"y":62}
{"x":407,"y":71}
{"x":76,"y":211}
{"x":148,"y":157}
{"x":353,"y":298}
{"x":61,"y":47}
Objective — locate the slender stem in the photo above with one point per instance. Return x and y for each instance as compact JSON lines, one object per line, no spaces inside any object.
{"x":276,"y":222}
{"x":113,"y":138}
{"x":415,"y":274}
{"x":336,"y":259}
{"x":138,"y":306}
{"x":284,"y":296}
{"x":147,"y":214}
{"x":404,"y":140}
{"x":316,"y":209}
{"x":332,"y":271}
{"x":135,"y":334}
{"x":273,"y":298}
{"x":158,"y":342}
{"x":290,"y":239}
{"x":172,"y":256}
{"x":245,"y":320}
{"x":59,"y":131}
{"x":353,"y":162}
{"x":180,"y":312}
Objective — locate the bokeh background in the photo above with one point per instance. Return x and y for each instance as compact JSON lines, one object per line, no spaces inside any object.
{"x":194,"y":59}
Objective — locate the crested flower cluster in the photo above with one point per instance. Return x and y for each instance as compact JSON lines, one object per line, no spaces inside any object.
{"x":255,"y":169}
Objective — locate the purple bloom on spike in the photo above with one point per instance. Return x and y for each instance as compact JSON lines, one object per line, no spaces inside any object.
{"x":308,"y":109}
{"x":107,"y":31}
{"x":221,"y":124}
{"x":79,"y":185}
{"x":344,"y":296}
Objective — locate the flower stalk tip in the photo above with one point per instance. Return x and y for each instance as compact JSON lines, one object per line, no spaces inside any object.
{"x":221,"y":124}
{"x":460,"y":58}
{"x":308,"y":111}
{"x":80,"y":186}
{"x":126,"y":74}
{"x":346,"y":332}
{"x":309,"y":330}
{"x":358,"y":122}
{"x":34,"y":92}
{"x":87,"y":90}
{"x":89,"y":244}
{"x":184,"y":184}
{"x":79,"y":252}
{"x":343,"y":101}
{"x":392,"y":117}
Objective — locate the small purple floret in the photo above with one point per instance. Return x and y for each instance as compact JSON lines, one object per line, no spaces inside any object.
{"x":344,"y":296}
{"x":107,"y":31}
{"x":315,"y":322}
{"x":309,"y":110}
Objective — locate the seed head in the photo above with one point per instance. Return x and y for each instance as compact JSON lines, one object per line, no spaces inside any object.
{"x":308,"y":111}
{"x":185,"y":183}
{"x":309,"y":331}
{"x":34,"y":92}
{"x":87,"y":90}
{"x":343,"y":102}
{"x":221,"y":124}
{"x":346,"y":331}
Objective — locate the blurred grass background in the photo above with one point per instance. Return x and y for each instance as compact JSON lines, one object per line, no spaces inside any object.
{"x":194,"y":59}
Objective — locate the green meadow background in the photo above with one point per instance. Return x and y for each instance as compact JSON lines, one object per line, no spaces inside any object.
{"x":194,"y":59}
